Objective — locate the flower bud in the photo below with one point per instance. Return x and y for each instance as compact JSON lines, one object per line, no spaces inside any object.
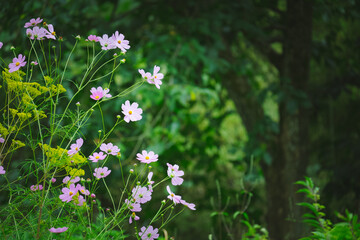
{"x":137,"y":183}
{"x":88,"y":180}
{"x":131,"y":170}
{"x":12,"y":48}
{"x":78,"y":104}
{"x":93,"y":196}
{"x":123,"y":60}
{"x":118,"y":116}
{"x":163,"y":202}
{"x":78,"y":37}
{"x":53,"y":180}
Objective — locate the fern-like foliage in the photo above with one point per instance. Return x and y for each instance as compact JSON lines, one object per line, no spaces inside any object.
{"x":322,"y":228}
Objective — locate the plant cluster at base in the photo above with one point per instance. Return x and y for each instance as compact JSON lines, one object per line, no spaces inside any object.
{"x":31,"y":121}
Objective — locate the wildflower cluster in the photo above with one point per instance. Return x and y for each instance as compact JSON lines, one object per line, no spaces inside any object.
{"x":61,"y":150}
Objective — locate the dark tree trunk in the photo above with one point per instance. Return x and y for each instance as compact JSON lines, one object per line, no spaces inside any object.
{"x":288,"y":149}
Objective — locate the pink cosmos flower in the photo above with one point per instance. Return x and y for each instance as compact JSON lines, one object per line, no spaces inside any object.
{"x":82,"y":189}
{"x":1,"y":44}
{"x":101,"y":172}
{"x":148,"y":233}
{"x":50,"y":33}
{"x":2,"y":170}
{"x":2,"y":140}
{"x":189,"y":205}
{"x":36,"y":33}
{"x":68,"y":193}
{"x":97,"y":156}
{"x":131,"y":112}
{"x":120,"y":42}
{"x":175,"y":198}
{"x":80,"y":201}
{"x":133,"y":216}
{"x":93,"y":38}
{"x":98,"y":93}
{"x":33,"y":22}
{"x":67,"y":179}
{"x":75,"y":147}
{"x":146,"y":76}
{"x":58,"y":230}
{"x":141,"y":194}
{"x":149,"y":181}
{"x":17,"y":63}
{"x":146,"y":157}
{"x":133,"y":206}
{"x":106,"y":42}
{"x":110,"y":149}
{"x":36,"y":187}
{"x":156,"y":77}
{"x":175,"y":175}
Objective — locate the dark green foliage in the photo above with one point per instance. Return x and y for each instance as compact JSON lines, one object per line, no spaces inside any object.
{"x":322,"y":228}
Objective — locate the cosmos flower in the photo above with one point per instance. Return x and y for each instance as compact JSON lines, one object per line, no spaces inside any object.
{"x":101,"y":172}
{"x":17,"y":63}
{"x":120,"y":42}
{"x":147,"y":157}
{"x":75,"y":147}
{"x":33,"y":22}
{"x":175,"y":175}
{"x":148,"y":233}
{"x":110,"y":149}
{"x":58,"y":230}
{"x":175,"y":198}
{"x":131,"y":112}
{"x":97,"y":156}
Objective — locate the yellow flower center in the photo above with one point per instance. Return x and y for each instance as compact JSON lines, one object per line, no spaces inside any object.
{"x":155,"y":77}
{"x":119,"y":42}
{"x":102,"y":174}
{"x":130,"y":112}
{"x":97,"y":97}
{"x":147,"y":158}
{"x":71,"y":193}
{"x":53,"y":33}
{"x":17,"y":63}
{"x":77,"y":149}
{"x":172,"y":195}
{"x":82,"y":190}
{"x":97,"y":157}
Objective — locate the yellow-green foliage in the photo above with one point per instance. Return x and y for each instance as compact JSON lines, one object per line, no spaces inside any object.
{"x":3,"y":131}
{"x":15,"y":144}
{"x":16,"y":85}
{"x":39,"y":114}
{"x":59,"y":157}
{"x":28,"y":91}
{"x":56,"y":89}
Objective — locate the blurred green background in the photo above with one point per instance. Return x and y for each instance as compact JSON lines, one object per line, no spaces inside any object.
{"x":257,"y":94}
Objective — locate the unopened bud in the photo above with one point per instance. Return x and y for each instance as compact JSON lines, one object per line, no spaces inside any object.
{"x":78,"y":104}
{"x":78,"y":37}
{"x":118,"y":116}
{"x":12,"y":48}
{"x":123,"y":60}
{"x":93,"y":195}
{"x":131,"y":170}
